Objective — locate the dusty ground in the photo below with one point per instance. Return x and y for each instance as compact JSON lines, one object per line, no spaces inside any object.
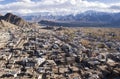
{"x":95,"y":31}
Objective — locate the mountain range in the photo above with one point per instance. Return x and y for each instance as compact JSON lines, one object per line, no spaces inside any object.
{"x":88,"y":18}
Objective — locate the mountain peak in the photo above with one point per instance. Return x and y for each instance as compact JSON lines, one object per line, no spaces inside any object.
{"x":8,"y":14}
{"x":14,"y":19}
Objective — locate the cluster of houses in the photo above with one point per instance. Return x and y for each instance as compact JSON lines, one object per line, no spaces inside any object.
{"x":37,"y":55}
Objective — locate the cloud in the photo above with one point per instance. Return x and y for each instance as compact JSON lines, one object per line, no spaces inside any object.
{"x":26,"y":1}
{"x":115,"y":7}
{"x":56,"y":6}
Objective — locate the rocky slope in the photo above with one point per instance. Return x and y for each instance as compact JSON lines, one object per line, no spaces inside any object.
{"x":9,"y":17}
{"x":5,"y":24}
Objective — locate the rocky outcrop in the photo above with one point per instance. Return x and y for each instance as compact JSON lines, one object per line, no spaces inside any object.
{"x":14,"y":19}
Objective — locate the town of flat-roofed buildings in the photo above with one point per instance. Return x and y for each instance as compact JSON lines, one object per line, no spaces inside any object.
{"x":55,"y":55}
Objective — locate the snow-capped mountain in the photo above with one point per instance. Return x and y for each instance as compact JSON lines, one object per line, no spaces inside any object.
{"x":86,"y":18}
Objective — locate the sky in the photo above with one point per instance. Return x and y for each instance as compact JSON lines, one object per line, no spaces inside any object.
{"x":60,"y":7}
